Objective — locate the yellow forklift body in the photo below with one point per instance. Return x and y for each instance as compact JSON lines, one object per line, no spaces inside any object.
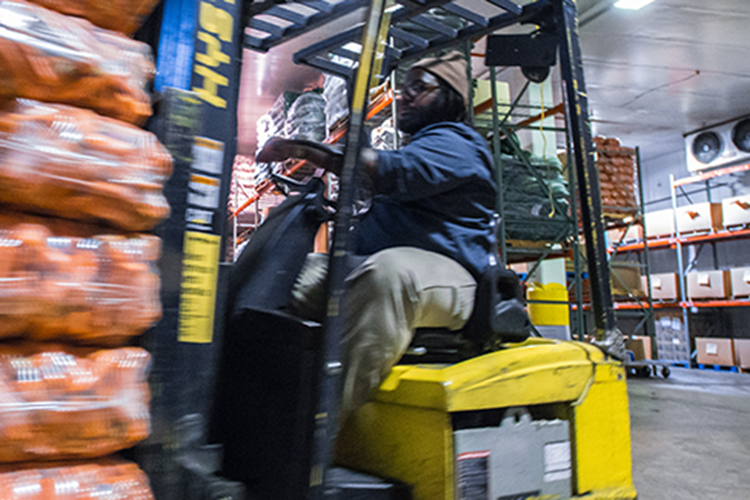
{"x":406,"y":432}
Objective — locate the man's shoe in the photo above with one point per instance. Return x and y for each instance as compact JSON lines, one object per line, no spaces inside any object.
{"x":613,"y":344}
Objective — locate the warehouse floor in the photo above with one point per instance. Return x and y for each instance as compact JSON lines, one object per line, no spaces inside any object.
{"x":691,"y":435}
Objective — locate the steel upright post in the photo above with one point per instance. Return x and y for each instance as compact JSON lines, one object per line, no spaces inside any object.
{"x":580,"y":331}
{"x":680,"y":267}
{"x":498,"y":164}
{"x":577,"y":115}
{"x":651,"y":327}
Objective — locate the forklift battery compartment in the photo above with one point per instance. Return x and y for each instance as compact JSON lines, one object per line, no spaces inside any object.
{"x":519,"y":459}
{"x":578,"y":397}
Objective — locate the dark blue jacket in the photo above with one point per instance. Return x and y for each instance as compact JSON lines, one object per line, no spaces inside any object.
{"x":437,"y":193}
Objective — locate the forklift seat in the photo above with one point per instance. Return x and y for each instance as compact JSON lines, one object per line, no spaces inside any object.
{"x":499,"y":316}
{"x":439,"y":346}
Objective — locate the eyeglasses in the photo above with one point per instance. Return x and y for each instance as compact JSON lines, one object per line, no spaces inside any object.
{"x":415,"y":88}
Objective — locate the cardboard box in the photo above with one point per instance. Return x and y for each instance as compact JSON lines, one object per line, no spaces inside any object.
{"x":620,"y":236}
{"x":699,"y":218}
{"x":715,"y":351}
{"x":663,"y":286}
{"x":640,"y":345}
{"x":742,"y":353}
{"x":708,"y":285}
{"x":735,"y":211}
{"x":659,"y":223}
{"x":740,"y":278}
{"x":625,"y":278}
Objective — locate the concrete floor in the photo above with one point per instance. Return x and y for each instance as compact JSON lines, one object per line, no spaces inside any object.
{"x":691,"y":435}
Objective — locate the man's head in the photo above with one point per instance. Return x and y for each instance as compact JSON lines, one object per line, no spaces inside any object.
{"x":435,"y":89}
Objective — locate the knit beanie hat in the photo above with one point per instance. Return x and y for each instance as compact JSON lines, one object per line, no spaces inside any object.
{"x":450,"y":67}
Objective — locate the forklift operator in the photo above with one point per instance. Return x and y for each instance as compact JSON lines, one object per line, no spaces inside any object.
{"x":427,"y":237}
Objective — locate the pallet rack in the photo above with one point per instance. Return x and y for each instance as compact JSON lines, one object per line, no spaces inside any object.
{"x":712,"y":238}
{"x":679,"y":242}
{"x":642,"y":307}
{"x":566,"y":240}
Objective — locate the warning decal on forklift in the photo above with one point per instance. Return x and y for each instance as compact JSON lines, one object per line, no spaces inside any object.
{"x":473,"y":475}
{"x":203,"y":191}
{"x":208,"y":155}
{"x":200,"y":269}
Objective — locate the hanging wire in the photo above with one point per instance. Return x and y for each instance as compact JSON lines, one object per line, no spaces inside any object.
{"x":544,"y":155}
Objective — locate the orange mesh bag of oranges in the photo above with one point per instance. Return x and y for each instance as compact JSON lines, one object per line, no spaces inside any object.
{"x":51,"y":57}
{"x":106,"y":479}
{"x":124,"y":16}
{"x":66,"y":404}
{"x":97,"y":290}
{"x":72,"y":163}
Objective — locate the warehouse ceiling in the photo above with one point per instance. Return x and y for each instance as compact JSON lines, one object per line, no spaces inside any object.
{"x":652,"y":75}
{"x":670,"y":68}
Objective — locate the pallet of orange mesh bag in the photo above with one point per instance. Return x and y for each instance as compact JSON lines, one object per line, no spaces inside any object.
{"x":62,"y":281}
{"x":47,"y":56}
{"x":72,"y":163}
{"x":124,"y":16}
{"x":58,"y":403}
{"x":102,"y":479}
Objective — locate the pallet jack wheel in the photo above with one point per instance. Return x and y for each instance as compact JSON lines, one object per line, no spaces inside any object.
{"x":665,"y":372}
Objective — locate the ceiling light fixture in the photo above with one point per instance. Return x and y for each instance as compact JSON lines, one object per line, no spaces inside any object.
{"x":632,"y":4}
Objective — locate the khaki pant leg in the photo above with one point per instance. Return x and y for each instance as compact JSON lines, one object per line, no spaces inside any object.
{"x":393,"y":293}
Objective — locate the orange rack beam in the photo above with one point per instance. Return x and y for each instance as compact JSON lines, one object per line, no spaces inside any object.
{"x":711,"y":174}
{"x":686,"y":240}
{"x":717,"y":303}
{"x":675,"y":305}
{"x":639,"y":246}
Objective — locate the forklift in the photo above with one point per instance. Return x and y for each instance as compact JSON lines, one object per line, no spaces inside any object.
{"x":531,"y":419}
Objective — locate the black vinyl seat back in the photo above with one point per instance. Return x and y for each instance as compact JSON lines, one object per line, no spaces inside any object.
{"x":263,"y":276}
{"x":265,"y":393}
{"x":499,"y":316}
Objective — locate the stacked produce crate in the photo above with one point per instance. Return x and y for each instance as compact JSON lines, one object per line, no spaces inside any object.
{"x":78,"y":282}
{"x":616,"y":166}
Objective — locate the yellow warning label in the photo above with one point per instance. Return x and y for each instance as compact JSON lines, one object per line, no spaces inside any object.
{"x":200,"y":179}
{"x":200,"y":269}
{"x":205,"y":142}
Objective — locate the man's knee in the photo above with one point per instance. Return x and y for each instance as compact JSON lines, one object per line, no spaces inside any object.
{"x":384,"y":272}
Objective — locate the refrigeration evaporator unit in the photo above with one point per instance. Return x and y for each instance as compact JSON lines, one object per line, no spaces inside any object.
{"x":720,"y":145}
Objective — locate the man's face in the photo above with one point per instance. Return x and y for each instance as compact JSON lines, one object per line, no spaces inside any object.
{"x":418,"y":91}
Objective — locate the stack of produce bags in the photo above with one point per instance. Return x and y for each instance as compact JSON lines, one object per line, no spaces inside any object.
{"x":616,"y":166}
{"x":81,"y":185}
{"x":535,"y":194}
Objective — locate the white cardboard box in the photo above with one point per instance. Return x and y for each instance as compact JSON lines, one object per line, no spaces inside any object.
{"x":659,"y":223}
{"x":708,"y":285}
{"x":736,"y":211}
{"x":699,"y":218}
{"x":740,"y":277}
{"x":663,"y":286}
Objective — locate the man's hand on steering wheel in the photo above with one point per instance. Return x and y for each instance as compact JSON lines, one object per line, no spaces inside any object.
{"x":322,"y":155}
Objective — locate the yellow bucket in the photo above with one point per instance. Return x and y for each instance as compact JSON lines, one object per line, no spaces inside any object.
{"x":546,"y":314}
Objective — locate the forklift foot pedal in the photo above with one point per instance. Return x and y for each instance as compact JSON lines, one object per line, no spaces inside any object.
{"x":344,"y":484}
